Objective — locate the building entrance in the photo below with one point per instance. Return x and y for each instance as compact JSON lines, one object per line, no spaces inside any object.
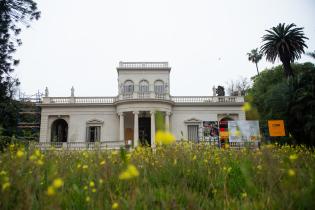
{"x":145,"y":131}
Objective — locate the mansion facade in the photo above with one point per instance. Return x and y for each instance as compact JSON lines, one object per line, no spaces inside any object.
{"x":130,"y":117}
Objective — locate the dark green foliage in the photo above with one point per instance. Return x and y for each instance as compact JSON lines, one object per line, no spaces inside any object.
{"x":8,"y":116}
{"x":255,"y":56}
{"x":14,"y":14}
{"x":286,"y":42}
{"x":292,"y":100}
{"x":220,"y":91}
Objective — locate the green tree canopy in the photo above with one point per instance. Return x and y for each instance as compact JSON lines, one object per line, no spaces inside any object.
{"x":14,"y":14}
{"x":291,"y":100}
{"x":255,"y":56}
{"x":286,"y":42}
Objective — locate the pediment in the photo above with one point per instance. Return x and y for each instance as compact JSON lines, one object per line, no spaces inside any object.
{"x":193,"y":120}
{"x":95,"y":121}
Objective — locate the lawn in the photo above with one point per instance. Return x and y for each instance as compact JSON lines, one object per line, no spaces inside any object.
{"x":176,"y":176}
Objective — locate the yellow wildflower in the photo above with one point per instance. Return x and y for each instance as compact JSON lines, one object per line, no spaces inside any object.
{"x":40,"y":162}
{"x":194,"y":157}
{"x":129,"y":173}
{"x":164,"y":137}
{"x":115,"y":205}
{"x":87,"y":199}
{"x":20,"y":153}
{"x":237,"y":133}
{"x":79,"y":166}
{"x":94,"y":190}
{"x":102,"y":162}
{"x":291,"y":172}
{"x":37,"y":153}
{"x":51,"y":191}
{"x":115,"y":152}
{"x":92,"y":184}
{"x":5,"y":186}
{"x":244,"y":195}
{"x":85,"y":166}
{"x":33,"y":157}
{"x":246,"y":107}
{"x":293,"y":157}
{"x":57,"y":183}
{"x":174,"y":162}
{"x":3,"y":173}
{"x":85,"y":155}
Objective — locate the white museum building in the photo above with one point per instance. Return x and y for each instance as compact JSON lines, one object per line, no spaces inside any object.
{"x":130,"y":117}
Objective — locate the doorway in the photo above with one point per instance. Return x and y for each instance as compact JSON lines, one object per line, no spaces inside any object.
{"x":145,"y":131}
{"x":59,"y":131}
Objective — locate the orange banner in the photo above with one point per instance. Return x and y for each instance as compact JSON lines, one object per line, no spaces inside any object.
{"x":276,"y":127}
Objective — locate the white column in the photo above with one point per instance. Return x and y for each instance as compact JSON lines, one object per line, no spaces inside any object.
{"x":121,"y":127}
{"x":167,"y":121}
{"x":136,"y":129}
{"x":152,"y":128}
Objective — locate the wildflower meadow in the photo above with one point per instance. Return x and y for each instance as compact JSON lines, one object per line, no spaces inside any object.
{"x":181,"y":175}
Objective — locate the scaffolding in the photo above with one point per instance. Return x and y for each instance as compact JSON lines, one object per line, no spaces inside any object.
{"x":29,"y":116}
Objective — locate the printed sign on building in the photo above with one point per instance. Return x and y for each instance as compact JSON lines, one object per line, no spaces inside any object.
{"x":210,"y":130}
{"x":276,"y":127}
{"x":243,"y":130}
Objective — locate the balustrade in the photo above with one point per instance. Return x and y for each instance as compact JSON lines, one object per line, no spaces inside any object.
{"x":142,"y":96}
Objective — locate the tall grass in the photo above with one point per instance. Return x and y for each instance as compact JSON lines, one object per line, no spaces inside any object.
{"x":178,"y":176}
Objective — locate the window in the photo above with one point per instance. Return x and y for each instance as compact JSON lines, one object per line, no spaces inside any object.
{"x":94,"y":133}
{"x":193,"y":132}
{"x":128,"y":87}
{"x":159,"y":87}
{"x":144,"y":86}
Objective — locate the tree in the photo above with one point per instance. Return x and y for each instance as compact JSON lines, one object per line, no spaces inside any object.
{"x":220,"y":91}
{"x":255,"y":56}
{"x":238,"y":87}
{"x":286,"y":42}
{"x":291,"y":100}
{"x":311,"y":54}
{"x":13,"y":13}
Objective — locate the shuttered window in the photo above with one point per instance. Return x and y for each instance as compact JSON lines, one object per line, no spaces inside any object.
{"x":193,"y":132}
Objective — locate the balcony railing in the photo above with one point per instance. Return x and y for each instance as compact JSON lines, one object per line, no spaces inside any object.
{"x":143,"y":65}
{"x":207,"y":99}
{"x":144,"y":96}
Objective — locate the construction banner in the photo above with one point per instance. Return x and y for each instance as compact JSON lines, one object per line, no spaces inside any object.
{"x":276,"y":127}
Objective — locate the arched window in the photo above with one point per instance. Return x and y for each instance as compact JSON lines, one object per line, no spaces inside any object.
{"x":159,"y":87}
{"x":143,"y":86}
{"x":128,"y":87}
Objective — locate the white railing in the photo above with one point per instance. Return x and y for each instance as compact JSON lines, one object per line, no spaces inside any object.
{"x":58,"y":100}
{"x":207,"y":99}
{"x":80,"y":145}
{"x":95,"y":100}
{"x":79,"y":100}
{"x":143,"y":65}
{"x":143,"y":96}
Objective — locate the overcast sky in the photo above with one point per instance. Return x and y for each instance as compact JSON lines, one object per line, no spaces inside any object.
{"x":80,"y":42}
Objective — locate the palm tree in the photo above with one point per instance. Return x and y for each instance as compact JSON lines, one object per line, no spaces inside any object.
{"x":285,"y":42}
{"x":311,"y":54}
{"x":255,"y":56}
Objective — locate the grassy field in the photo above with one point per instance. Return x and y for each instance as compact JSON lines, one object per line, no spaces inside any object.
{"x":177,"y":176}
